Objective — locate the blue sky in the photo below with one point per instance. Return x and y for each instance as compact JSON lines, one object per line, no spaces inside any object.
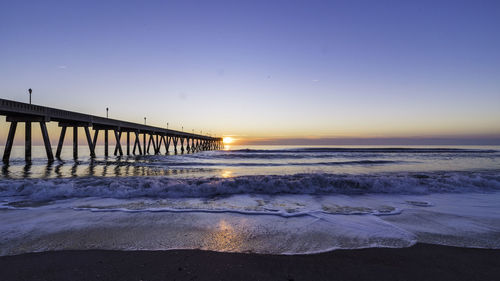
{"x":262,"y":69}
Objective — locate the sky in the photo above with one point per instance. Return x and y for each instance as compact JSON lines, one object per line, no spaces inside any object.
{"x":263,"y":71}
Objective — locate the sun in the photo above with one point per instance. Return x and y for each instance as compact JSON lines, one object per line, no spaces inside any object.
{"x":228,"y":140}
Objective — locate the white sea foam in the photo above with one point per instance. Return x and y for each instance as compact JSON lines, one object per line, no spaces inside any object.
{"x":349,"y":221}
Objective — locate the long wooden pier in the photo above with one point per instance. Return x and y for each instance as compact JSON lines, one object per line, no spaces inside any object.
{"x":152,"y":137}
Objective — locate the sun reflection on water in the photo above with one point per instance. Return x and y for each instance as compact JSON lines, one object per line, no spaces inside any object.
{"x":226,"y":174}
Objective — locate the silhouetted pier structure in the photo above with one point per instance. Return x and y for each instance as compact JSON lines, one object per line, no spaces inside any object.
{"x":152,"y":137}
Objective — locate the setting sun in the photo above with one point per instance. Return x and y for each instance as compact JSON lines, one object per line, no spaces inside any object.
{"x":228,"y":140}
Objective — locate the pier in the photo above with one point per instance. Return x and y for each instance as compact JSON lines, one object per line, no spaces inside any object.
{"x":153,"y":138}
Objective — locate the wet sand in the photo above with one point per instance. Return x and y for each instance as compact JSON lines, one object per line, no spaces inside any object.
{"x":420,"y":262}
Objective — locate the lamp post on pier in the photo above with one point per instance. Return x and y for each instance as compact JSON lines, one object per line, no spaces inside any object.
{"x":30,"y":91}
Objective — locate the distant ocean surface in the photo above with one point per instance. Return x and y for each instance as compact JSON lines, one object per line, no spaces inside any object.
{"x":268,"y":199}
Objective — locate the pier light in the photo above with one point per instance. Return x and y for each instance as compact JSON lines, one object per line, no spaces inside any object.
{"x":183,"y":128}
{"x":167,"y":125}
{"x":107,"y":110}
{"x":30,"y":91}
{"x":144,"y":120}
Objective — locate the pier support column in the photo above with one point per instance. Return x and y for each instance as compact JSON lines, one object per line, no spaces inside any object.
{"x":166,"y":141}
{"x":10,"y":141}
{"x":144,"y":142}
{"x":158,"y":143}
{"x":182,"y":145}
{"x":118,"y":146}
{"x":155,"y":143}
{"x":137,"y":143}
{"x":96,"y":134}
{"x":27,"y":142}
{"x":61,"y":142}
{"x":175,"y":144}
{"x":106,"y":143}
{"x":75,"y":142}
{"x":149,"y":144}
{"x":162,"y":139}
{"x":128,"y":143}
{"x":46,"y":142}
{"x":89,"y":142}
{"x":151,"y":141}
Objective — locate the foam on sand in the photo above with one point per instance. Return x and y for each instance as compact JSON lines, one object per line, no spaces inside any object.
{"x":319,"y":223}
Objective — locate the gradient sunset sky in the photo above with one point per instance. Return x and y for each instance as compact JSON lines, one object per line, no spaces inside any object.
{"x":262,"y":69}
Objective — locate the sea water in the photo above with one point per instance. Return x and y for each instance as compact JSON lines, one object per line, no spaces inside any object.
{"x":264,"y":199}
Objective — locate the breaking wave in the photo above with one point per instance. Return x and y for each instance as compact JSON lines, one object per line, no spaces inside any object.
{"x":305,"y":183}
{"x":257,"y":164}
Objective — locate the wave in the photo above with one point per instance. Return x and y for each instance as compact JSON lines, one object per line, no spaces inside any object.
{"x":332,"y":163}
{"x":305,"y":183}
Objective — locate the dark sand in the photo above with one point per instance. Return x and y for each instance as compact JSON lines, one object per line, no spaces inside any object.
{"x":420,"y":262}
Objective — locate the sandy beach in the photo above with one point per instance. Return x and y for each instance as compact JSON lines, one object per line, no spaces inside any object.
{"x":420,"y":262}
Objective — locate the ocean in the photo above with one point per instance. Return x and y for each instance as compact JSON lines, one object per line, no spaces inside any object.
{"x":260,"y":199}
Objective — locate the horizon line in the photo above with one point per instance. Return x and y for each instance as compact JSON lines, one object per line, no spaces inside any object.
{"x":464,"y":140}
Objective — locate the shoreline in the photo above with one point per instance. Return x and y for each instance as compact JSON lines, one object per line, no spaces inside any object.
{"x":418,"y":262}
